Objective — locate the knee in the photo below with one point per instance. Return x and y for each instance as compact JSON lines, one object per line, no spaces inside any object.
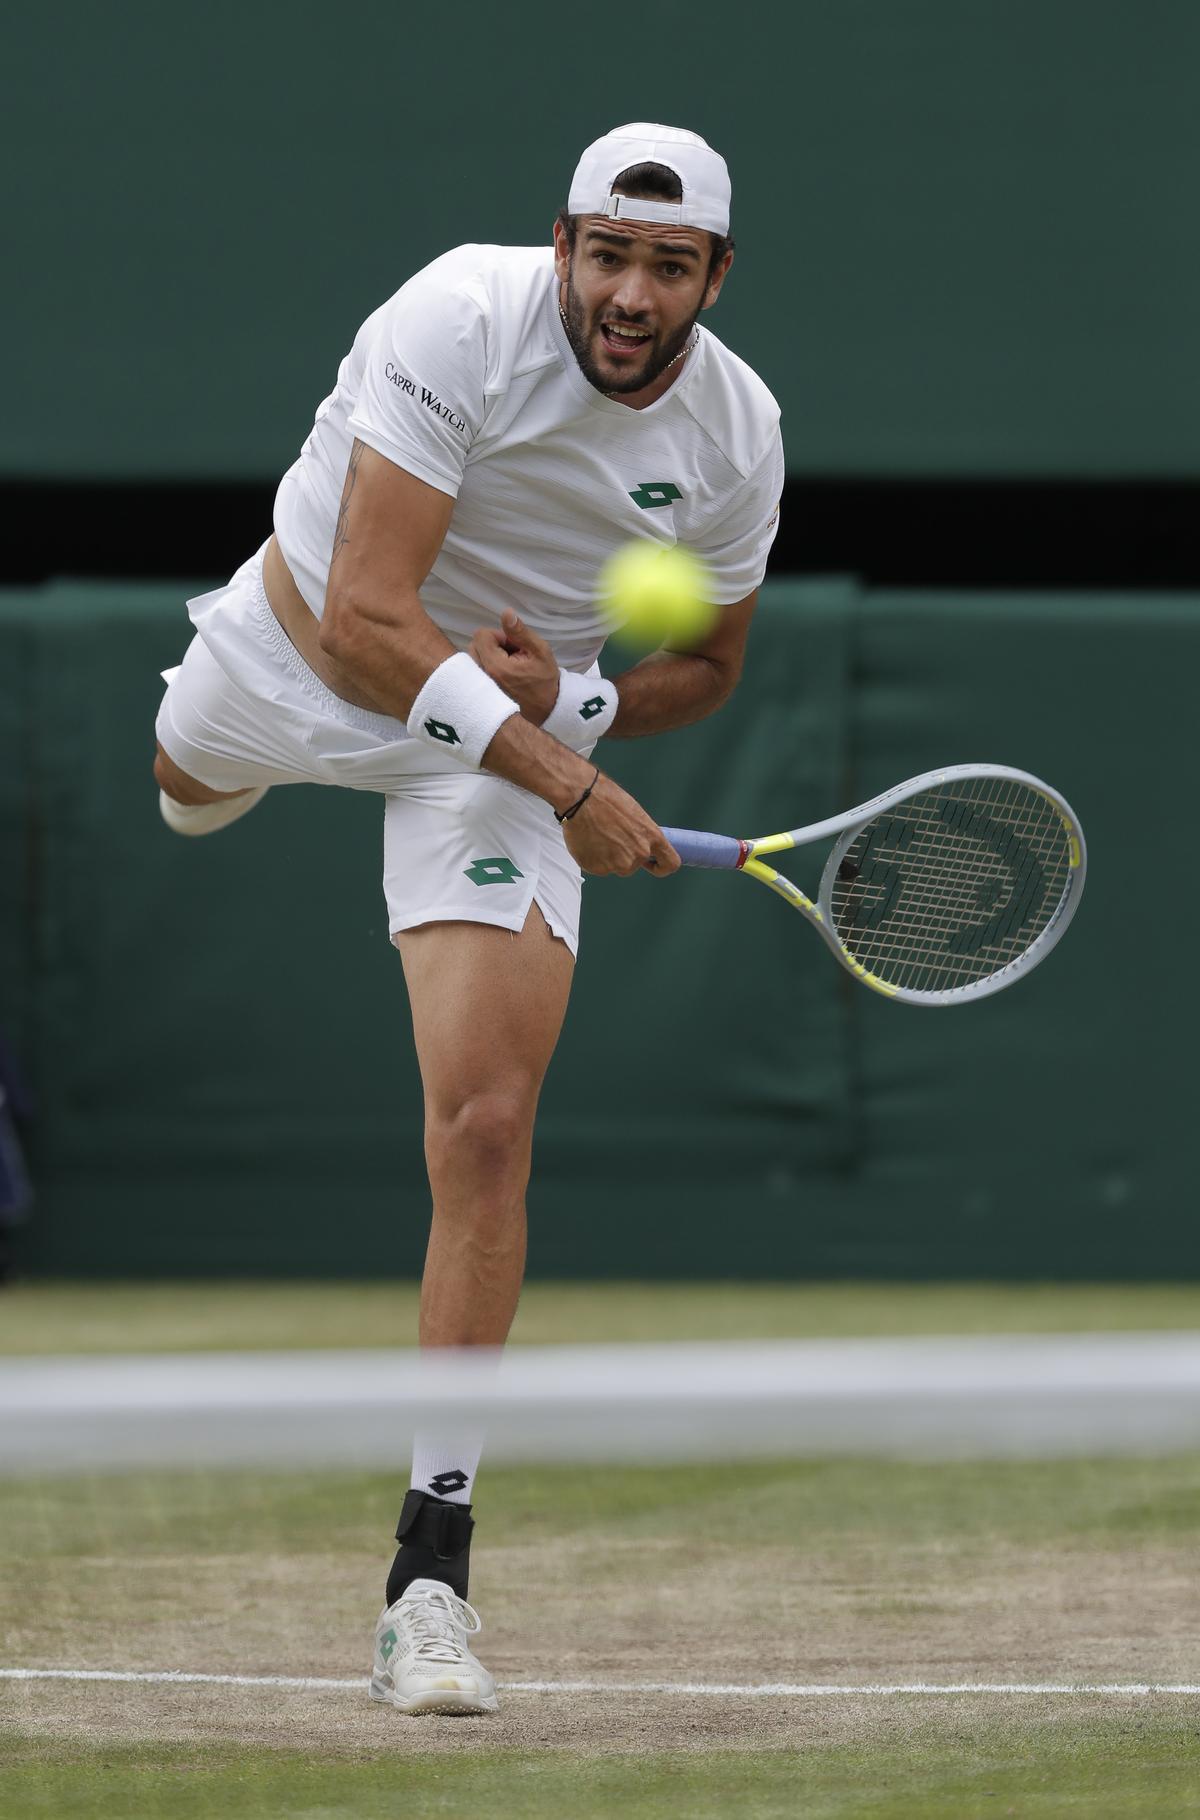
{"x":487,"y":1134}
{"x":172,"y":781}
{"x":184,"y":789}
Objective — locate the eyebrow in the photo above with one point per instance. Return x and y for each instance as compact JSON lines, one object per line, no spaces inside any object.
{"x":658,"y":246}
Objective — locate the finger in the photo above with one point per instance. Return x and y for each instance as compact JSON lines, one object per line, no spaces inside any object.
{"x":487,"y":656}
{"x":516,"y":628}
{"x":663,"y":859}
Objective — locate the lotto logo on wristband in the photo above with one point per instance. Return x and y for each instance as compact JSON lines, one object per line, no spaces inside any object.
{"x":441,"y":729}
{"x":591,"y":708}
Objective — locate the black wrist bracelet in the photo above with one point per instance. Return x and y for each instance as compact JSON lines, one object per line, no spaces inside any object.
{"x":576,"y":807}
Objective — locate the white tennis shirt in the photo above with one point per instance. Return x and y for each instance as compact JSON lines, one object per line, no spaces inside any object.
{"x":466,"y":379}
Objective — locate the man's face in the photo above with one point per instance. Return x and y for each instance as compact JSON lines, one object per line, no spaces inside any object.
{"x":633,"y":292}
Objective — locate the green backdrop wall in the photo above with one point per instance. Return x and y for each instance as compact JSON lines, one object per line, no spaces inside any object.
{"x":217,"y":1032}
{"x":966,"y":227}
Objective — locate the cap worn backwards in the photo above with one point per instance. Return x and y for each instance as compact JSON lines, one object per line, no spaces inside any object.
{"x":702,"y":173}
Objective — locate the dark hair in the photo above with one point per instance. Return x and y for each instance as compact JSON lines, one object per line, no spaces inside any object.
{"x":651,"y":183}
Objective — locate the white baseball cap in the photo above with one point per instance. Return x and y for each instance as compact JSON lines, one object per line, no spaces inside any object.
{"x":702,"y":172}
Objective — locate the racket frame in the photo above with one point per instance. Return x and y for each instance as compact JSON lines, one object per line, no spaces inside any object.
{"x":848,"y":826}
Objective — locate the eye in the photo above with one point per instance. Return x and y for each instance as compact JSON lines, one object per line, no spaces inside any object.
{"x":603,"y":257}
{"x":672,"y":270}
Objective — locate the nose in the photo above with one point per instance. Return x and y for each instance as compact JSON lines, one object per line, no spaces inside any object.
{"x":633,"y":294}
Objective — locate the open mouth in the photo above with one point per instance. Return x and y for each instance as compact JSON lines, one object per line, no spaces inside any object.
{"x":623,"y":338}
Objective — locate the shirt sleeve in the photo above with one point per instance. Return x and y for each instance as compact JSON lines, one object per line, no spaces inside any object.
{"x":421,"y":402}
{"x":736,"y":547}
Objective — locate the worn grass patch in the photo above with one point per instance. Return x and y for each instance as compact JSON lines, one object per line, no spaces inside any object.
{"x":200,"y":1316}
{"x":844,"y":1571}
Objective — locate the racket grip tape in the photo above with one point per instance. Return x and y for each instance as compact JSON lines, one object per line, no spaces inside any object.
{"x":718,"y":852}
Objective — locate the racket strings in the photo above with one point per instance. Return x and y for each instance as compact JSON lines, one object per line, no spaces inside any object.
{"x":919,"y":907}
{"x":953,"y":884}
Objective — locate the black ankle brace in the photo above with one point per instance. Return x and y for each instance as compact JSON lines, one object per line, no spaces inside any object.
{"x":435,"y":1544}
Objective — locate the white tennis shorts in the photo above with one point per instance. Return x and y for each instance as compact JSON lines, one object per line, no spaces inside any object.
{"x":244,"y":708}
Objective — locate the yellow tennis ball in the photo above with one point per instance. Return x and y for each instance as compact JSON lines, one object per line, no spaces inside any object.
{"x":657,"y":594}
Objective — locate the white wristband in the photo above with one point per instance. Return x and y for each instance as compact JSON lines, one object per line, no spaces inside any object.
{"x":585,"y":710}
{"x":460,"y":710}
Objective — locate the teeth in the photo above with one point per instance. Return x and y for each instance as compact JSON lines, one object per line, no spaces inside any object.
{"x":628,"y":334}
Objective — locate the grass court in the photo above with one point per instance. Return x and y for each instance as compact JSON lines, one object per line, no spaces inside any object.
{"x":848,"y":1573}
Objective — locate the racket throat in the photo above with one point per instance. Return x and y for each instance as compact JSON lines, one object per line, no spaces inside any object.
{"x":782,"y":887}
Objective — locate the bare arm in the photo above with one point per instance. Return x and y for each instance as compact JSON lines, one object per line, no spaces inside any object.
{"x":674,"y":688}
{"x":390,"y":528}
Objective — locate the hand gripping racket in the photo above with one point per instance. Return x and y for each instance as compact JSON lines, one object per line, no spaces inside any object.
{"x":940,"y":891}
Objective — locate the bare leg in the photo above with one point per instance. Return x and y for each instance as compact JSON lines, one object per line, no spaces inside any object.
{"x":184,"y":789}
{"x":487,"y":1007}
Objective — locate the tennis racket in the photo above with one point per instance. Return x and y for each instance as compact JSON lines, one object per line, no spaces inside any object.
{"x":940,"y":891}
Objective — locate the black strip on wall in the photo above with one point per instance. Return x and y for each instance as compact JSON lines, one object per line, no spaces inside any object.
{"x":892,"y":533}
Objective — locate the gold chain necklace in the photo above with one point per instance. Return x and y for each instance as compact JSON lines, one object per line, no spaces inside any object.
{"x":693,"y":338}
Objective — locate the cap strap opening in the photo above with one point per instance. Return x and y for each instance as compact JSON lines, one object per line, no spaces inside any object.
{"x":633,"y":208}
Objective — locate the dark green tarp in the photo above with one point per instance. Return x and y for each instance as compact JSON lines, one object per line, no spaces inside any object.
{"x":217,"y":1037}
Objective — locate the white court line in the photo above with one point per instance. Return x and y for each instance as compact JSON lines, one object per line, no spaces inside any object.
{"x":772,"y":1689}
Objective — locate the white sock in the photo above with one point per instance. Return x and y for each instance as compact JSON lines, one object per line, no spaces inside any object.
{"x":445,"y":1465}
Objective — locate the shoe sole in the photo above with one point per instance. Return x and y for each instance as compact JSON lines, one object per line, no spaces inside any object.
{"x":455,"y":1702}
{"x":194,"y":821}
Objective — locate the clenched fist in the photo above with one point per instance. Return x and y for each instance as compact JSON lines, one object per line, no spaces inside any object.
{"x":522,"y":663}
{"x":613,"y":833}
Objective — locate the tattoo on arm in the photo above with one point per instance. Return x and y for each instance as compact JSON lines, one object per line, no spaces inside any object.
{"x":341,"y":535}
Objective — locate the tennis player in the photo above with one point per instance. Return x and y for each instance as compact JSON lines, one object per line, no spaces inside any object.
{"x":423,"y":623}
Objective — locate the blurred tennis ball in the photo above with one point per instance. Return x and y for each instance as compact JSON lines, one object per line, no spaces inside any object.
{"x":654,"y":593}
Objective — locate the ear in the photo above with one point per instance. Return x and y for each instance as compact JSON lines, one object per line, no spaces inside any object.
{"x":562,"y":253}
{"x":713,"y":288}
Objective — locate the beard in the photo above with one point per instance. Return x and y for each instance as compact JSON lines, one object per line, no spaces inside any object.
{"x":659,"y":351}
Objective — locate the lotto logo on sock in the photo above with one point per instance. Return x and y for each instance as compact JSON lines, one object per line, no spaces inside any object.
{"x":448,"y":1482}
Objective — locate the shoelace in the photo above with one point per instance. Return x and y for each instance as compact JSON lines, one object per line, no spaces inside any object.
{"x":440,"y":1622}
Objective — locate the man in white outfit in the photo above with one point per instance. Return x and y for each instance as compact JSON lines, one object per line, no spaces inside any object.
{"x":424,"y":623}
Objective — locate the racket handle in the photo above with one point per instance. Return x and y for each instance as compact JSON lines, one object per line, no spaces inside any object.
{"x":719,"y":852}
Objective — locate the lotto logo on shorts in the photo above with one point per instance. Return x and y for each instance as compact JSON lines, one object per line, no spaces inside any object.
{"x":655,"y":493}
{"x":492,"y":872}
{"x":441,"y":729}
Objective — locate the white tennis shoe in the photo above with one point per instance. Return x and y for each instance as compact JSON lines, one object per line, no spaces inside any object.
{"x":206,"y":818}
{"x":422,"y":1663}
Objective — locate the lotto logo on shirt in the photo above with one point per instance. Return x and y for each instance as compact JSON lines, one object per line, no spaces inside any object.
{"x":653,"y":493}
{"x":429,"y":399}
